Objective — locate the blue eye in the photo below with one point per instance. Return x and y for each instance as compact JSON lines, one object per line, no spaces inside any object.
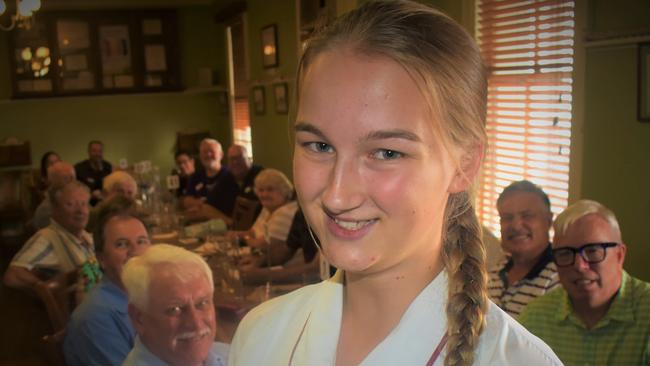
{"x":319,"y":147}
{"x":385,"y":154}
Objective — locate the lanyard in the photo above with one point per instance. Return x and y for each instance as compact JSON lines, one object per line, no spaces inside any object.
{"x":432,"y":359}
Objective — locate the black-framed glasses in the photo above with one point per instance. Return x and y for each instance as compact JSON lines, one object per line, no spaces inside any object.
{"x":591,"y":253}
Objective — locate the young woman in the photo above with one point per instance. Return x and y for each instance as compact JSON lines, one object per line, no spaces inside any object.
{"x":389,"y":136}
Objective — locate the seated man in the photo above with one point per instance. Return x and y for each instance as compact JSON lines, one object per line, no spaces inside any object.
{"x":241,"y":166}
{"x":171,"y":307}
{"x":600,"y":315}
{"x":212,"y":190}
{"x":93,"y":170}
{"x":184,"y":170}
{"x":58,"y":174}
{"x":528,"y":271}
{"x":100,"y":331}
{"x":63,"y":246}
{"x":118,"y":183}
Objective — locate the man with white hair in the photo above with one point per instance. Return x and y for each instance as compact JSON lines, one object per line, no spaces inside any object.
{"x":600,"y":315}
{"x":171,"y":306}
{"x":63,"y":246}
{"x":118,"y":183}
{"x":214,"y":185}
{"x":58,"y":174}
{"x":242,"y":167}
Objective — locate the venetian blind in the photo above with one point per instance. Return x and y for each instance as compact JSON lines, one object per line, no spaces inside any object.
{"x":241,"y":117}
{"x":528,"y":50}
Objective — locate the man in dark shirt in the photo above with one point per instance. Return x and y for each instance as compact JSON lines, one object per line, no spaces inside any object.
{"x":92,"y":171}
{"x":184,"y":170}
{"x":213,"y":185}
{"x":241,"y":166}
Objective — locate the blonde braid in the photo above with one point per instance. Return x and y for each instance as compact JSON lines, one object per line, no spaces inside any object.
{"x":464,"y":258}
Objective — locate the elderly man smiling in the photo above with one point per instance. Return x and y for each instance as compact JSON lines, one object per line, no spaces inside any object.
{"x":62,"y":246}
{"x":170,"y":305}
{"x":600,"y":315}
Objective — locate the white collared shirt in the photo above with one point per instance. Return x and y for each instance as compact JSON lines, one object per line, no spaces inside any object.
{"x":270,"y":333}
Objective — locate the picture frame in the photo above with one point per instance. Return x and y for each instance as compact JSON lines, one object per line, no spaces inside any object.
{"x":270,"y":46}
{"x":643,"y":102}
{"x":259,"y":100}
{"x":281,"y":96}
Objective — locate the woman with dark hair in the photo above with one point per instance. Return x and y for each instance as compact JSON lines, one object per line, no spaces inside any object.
{"x":47,"y":160}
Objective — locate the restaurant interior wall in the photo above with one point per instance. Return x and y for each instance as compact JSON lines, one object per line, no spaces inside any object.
{"x":272,"y":143}
{"x":132,"y":126}
{"x":616,"y":146}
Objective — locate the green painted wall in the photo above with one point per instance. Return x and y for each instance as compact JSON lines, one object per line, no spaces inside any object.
{"x":136,"y":127}
{"x":272,"y":146}
{"x":616,"y":168}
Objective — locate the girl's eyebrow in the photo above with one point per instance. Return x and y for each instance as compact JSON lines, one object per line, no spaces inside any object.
{"x":308,"y":127}
{"x":393,"y":134}
{"x":374,"y":135}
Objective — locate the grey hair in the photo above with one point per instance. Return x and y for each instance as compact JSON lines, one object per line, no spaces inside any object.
{"x":525,"y":186}
{"x":276,"y":179}
{"x":581,"y":209}
{"x":119,"y":177}
{"x":138,"y":271}
{"x":56,"y":191}
{"x":211,"y":141}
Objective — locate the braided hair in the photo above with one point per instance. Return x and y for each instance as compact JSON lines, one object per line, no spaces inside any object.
{"x":446,"y":65}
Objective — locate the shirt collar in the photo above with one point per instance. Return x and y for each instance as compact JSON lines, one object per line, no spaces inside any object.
{"x":621,"y":309}
{"x":144,"y":356}
{"x":86,"y":239}
{"x":544,"y":259}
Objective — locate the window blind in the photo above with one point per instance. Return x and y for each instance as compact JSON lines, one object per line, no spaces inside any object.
{"x":528,"y":49}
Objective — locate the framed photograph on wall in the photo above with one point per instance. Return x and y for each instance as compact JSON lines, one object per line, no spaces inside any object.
{"x":259,"y":102}
{"x":270,"y":46}
{"x":643,"y":108}
{"x":280,"y":92}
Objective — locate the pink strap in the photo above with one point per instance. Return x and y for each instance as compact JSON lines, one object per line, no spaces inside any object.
{"x":438,"y":350}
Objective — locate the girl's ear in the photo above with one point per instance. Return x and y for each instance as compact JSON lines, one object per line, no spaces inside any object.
{"x":470,"y":163}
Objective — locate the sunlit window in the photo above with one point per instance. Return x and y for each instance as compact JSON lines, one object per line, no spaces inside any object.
{"x":528,"y":47}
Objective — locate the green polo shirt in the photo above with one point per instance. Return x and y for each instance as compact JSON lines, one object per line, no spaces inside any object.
{"x":622,"y":337}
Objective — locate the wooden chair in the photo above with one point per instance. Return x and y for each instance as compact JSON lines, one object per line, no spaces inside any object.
{"x":58,"y":295}
{"x":244,"y":213}
{"x":53,"y":344}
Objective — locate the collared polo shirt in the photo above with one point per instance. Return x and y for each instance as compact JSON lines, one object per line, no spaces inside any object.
{"x":513,"y":298}
{"x":100,"y":331}
{"x":621,"y":337}
{"x":39,"y":252}
{"x":141,"y":356}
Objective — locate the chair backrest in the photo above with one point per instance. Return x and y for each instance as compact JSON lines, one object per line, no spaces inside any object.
{"x":53,"y":344}
{"x":58,"y":295}
{"x":244,"y":213}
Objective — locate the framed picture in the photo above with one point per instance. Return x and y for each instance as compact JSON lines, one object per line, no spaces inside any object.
{"x":270,"y":46}
{"x":281,"y":98}
{"x":643,"y":108}
{"x":259,"y":102}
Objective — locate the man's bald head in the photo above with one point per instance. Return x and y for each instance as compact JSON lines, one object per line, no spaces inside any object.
{"x":60,"y":173}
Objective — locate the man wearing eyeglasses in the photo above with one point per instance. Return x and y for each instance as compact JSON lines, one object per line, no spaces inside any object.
{"x":601,"y":314}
